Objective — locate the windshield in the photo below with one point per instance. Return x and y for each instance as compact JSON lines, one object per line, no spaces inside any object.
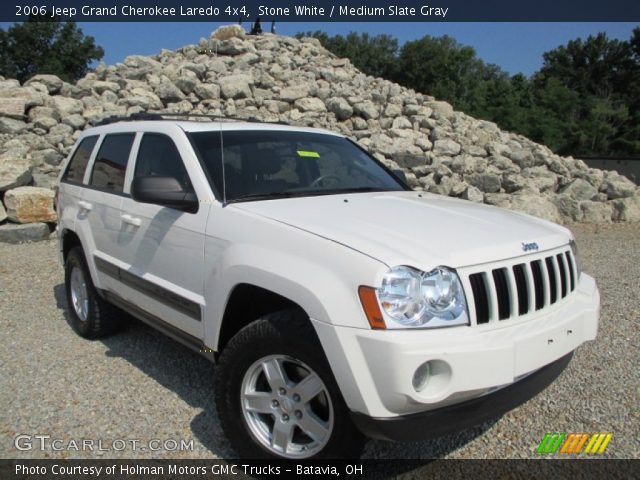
{"x":262,"y":164}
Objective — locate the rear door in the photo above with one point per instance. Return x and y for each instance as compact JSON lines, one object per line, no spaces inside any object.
{"x":164,"y":252}
{"x":101,"y":203}
{"x":71,"y":188}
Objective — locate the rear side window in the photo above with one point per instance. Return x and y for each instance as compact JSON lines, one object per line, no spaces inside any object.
{"x":78,"y":163}
{"x":158,"y":155}
{"x":111,"y":162}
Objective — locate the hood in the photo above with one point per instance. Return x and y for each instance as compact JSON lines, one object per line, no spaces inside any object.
{"x":414,"y":228}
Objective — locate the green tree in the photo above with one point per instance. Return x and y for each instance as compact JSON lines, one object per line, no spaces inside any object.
{"x":443,"y":68}
{"x":604,"y":74}
{"x":46,"y":45}
{"x":552,"y":117}
{"x":585,"y":100}
{"x":374,"y":56}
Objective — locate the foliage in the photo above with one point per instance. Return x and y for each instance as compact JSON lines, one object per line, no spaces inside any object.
{"x":373,"y":55}
{"x":584,"y":100}
{"x":44,"y":44}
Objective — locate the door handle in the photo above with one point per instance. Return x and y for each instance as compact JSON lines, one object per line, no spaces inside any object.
{"x":85,"y":205}
{"x":126,"y":218}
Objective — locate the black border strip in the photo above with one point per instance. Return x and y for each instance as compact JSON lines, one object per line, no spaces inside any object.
{"x":156,"y":292}
{"x":358,"y":11}
{"x":381,"y":469}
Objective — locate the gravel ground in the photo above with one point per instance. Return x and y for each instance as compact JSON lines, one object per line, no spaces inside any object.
{"x":141,"y":385}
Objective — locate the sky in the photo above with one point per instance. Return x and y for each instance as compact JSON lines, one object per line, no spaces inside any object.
{"x":515,"y":47}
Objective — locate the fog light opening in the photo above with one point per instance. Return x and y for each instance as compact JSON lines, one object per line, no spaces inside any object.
{"x":421,"y":377}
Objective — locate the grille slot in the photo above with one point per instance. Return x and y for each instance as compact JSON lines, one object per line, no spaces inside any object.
{"x":502,"y":291}
{"x":521,"y":286}
{"x":571,"y":275}
{"x":480,"y":297}
{"x":538,"y":283}
{"x":563,"y":276}
{"x":553,"y":286}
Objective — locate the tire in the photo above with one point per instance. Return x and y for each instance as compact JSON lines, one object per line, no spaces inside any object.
{"x":90,"y":315}
{"x":282,"y":418}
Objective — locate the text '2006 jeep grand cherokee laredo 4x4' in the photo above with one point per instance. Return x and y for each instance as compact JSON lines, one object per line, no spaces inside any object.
{"x":335,"y":300}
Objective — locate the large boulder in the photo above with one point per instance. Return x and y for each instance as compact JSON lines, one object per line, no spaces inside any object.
{"x":340,"y":107}
{"x":3,"y":213}
{"x":367,"y":110}
{"x":294,"y":92}
{"x":31,"y":96}
{"x":235,"y":86}
{"x":13,"y":107}
{"x":541,"y":178}
{"x":473,"y":194}
{"x":168,"y":92}
{"x":596,"y":212}
{"x":228,"y":31}
{"x":446,"y":147}
{"x":30,"y":205}
{"x":66,"y":106}
{"x":627,"y":209}
{"x":233,"y":46}
{"x":618,"y":186}
{"x":12,"y":126}
{"x":48,"y":156}
{"x":14,"y":171}
{"x":310,"y":104}
{"x":580,"y":189}
{"x":441,"y":109}
{"x":31,"y":232}
{"x":207,"y":91}
{"x":523,"y":158}
{"x":486,"y":182}
{"x":568,"y":207}
{"x":52,"y":82}
{"x":536,"y":205}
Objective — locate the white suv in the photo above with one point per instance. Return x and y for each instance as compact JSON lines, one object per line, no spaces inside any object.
{"x":336,"y":301}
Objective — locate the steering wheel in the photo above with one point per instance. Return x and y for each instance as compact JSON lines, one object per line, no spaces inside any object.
{"x":318,"y":181}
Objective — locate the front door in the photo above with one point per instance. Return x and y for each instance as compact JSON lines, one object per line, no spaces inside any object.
{"x":164,"y":247}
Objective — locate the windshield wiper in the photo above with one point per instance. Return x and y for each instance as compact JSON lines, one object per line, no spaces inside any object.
{"x":303,"y":193}
{"x":263,"y":196}
{"x":337,"y":191}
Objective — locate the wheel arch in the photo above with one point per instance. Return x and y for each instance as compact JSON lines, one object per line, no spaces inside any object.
{"x":246,"y":303}
{"x":68,"y":240}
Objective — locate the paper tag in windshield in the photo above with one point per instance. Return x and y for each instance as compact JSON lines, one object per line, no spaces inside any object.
{"x":308,"y":154}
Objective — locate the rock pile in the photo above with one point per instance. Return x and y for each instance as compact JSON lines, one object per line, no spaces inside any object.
{"x":275,"y":78}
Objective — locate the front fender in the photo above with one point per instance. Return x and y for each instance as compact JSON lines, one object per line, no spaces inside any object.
{"x":319,"y":275}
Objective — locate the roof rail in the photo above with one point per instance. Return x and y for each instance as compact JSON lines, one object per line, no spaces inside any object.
{"x":168,"y":115}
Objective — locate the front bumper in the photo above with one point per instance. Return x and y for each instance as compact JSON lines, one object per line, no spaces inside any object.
{"x":460,"y":416}
{"x":375,"y":368}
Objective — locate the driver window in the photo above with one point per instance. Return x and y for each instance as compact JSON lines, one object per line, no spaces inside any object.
{"x":158,"y":155}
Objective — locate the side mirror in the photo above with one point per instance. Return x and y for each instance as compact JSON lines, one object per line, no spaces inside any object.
{"x":400,"y":175}
{"x":165,"y":191}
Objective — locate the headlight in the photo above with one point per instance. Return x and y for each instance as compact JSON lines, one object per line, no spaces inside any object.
{"x":411,"y":298}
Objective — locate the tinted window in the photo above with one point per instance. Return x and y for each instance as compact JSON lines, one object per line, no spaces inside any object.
{"x":78,"y":163}
{"x":158,"y":155}
{"x":275,"y":164}
{"x":208,"y":147}
{"x":111,"y":163}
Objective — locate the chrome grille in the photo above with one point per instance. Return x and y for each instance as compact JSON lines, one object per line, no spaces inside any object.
{"x":514,"y":290}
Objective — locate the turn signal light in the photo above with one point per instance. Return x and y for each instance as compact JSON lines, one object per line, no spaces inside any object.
{"x":371,"y":307}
